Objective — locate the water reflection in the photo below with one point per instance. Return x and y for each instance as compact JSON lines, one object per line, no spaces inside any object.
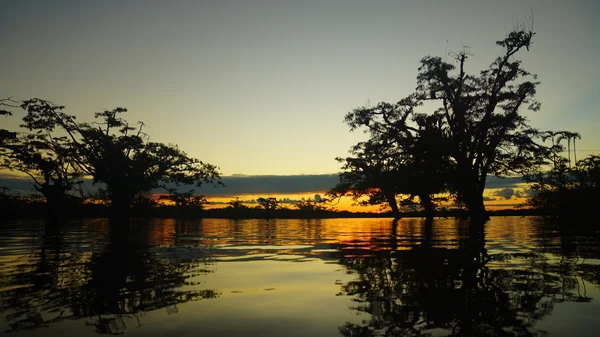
{"x":407,"y":278}
{"x":111,"y":286}
{"x":430,"y":290}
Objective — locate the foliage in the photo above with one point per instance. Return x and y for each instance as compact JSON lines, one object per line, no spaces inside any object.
{"x":568,"y":136}
{"x":45,"y":158}
{"x":269,"y":203}
{"x":389,"y":165}
{"x":6,"y":136}
{"x":236,"y":204}
{"x":311,"y":205}
{"x":185,"y":199}
{"x":476,"y":129}
{"x":564,"y":191}
{"x":109,"y":150}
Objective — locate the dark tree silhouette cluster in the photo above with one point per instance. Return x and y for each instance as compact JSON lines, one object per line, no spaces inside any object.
{"x":56,"y":151}
{"x":567,"y":192}
{"x":453,"y":132}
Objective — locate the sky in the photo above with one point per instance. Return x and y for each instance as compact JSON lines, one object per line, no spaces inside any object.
{"x":262,"y":87}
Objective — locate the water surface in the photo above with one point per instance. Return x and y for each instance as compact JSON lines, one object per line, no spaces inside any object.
{"x":334,"y":277}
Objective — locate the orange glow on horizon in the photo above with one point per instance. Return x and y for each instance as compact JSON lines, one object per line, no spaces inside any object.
{"x":344,"y":203}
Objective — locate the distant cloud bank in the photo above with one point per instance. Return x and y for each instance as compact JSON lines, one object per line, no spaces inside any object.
{"x":235,"y":185}
{"x":239,"y":185}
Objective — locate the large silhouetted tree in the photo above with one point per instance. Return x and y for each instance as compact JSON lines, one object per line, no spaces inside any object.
{"x":45,"y":157}
{"x":113,"y":152}
{"x":46,"y":160}
{"x":395,"y":161}
{"x":373,"y":172}
{"x":478,"y":118}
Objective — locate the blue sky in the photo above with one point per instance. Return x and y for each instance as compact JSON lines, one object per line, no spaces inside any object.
{"x":261,"y":87}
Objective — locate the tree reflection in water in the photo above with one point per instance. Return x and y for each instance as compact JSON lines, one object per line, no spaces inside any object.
{"x":428,"y":290}
{"x":112,"y":288}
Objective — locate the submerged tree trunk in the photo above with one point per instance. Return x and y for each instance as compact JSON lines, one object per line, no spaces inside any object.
{"x":391,"y":199}
{"x":118,"y":226}
{"x":427,"y":204}
{"x":476,"y":208}
{"x":471,"y":186}
{"x":55,"y":203}
{"x":119,"y":216}
{"x":428,"y":233}
{"x":53,"y":208}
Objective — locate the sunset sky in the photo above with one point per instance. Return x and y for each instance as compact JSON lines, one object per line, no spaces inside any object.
{"x":262,"y":87}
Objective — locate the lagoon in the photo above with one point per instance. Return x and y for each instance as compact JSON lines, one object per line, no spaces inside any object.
{"x":331,"y":277}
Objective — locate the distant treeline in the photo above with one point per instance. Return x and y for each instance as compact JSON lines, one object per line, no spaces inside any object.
{"x":12,"y":207}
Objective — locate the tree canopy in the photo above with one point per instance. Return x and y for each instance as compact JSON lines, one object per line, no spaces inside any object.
{"x":567,"y":192}
{"x":473,"y":126}
{"x":55,"y":146}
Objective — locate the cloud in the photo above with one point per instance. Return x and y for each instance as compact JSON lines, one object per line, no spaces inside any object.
{"x":505,"y":193}
{"x":259,"y":184}
{"x":239,"y":184}
{"x":24,"y":186}
{"x":235,"y":185}
{"x":494,"y":182}
{"x":15,"y":184}
{"x":524,"y":193}
{"x":488,"y":199}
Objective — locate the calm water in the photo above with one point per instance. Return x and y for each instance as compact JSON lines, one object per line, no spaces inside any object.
{"x":334,"y":277}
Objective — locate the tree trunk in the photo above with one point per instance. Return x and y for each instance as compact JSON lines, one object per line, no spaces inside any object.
{"x":476,"y":208}
{"x":119,"y":217}
{"x":574,"y":153}
{"x":569,"y":150}
{"x":55,"y":202}
{"x":472,"y":185}
{"x":118,"y":225}
{"x":394,"y":236}
{"x":428,"y":233}
{"x":427,"y":204}
{"x":391,"y":199}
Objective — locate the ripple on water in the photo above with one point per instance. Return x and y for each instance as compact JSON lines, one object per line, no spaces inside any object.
{"x":322,"y":277}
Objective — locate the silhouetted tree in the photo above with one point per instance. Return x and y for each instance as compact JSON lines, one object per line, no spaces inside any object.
{"x":569,"y":193}
{"x":394,"y":161}
{"x":185,"y":202}
{"x":556,"y":147}
{"x":119,"y":155}
{"x":236,"y":204}
{"x":6,"y":136}
{"x":144,"y":203}
{"x":568,"y":136}
{"x":269,"y":203}
{"x":184,"y":199}
{"x":310,"y":205}
{"x":46,"y":159}
{"x":373,"y":172}
{"x":478,"y":119}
